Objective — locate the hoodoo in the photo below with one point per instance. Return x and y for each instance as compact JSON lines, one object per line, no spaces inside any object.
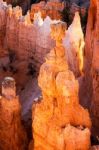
{"x":56,"y":123}
{"x":12,"y":134}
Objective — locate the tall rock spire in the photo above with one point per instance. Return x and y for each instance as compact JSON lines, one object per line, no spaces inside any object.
{"x":55,"y":118}
{"x":74,"y":43}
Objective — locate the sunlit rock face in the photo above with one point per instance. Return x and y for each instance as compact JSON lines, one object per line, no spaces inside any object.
{"x":74,"y":43}
{"x":92,"y":61}
{"x":56,"y":123}
{"x":12,"y":134}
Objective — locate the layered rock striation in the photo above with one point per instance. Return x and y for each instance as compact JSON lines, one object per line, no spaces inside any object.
{"x":56,"y":123}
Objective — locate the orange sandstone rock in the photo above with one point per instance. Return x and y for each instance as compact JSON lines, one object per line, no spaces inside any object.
{"x":30,"y":46}
{"x":51,"y":9}
{"x":12,"y":134}
{"x":74,"y":44}
{"x":3,"y":19}
{"x":92,"y":62}
{"x":59,"y":122}
{"x":37,"y":8}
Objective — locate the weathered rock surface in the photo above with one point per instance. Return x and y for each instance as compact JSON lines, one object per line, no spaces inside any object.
{"x":30,"y":47}
{"x":51,"y":9}
{"x":24,"y":42}
{"x":92,"y":62}
{"x":24,"y":4}
{"x":12,"y":134}
{"x":27,"y":46}
{"x":56,"y":123}
{"x":95,"y":147}
{"x":74,"y":44}
{"x":3,"y":19}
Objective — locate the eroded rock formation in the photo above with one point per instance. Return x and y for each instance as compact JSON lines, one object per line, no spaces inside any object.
{"x":74,"y":44}
{"x":92,"y":62}
{"x":95,"y":148}
{"x":24,"y":4}
{"x":22,"y":37}
{"x":24,"y":42}
{"x":3,"y":19}
{"x":12,"y":134}
{"x":51,"y":9}
{"x":56,"y":123}
{"x":30,"y":48}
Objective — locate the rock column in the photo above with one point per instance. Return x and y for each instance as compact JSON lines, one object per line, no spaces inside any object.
{"x":59,"y":122}
{"x":12,"y":134}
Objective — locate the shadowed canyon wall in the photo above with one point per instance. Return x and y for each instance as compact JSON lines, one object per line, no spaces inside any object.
{"x":92,"y":61}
